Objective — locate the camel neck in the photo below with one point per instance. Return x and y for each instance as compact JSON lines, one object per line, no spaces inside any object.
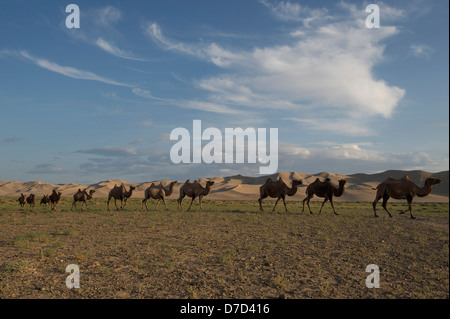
{"x":339,"y":191}
{"x":291,"y":191}
{"x":423,"y":191}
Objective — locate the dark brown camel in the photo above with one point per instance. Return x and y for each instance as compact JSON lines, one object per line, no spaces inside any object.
{"x":194,"y":190}
{"x":323,"y":189}
{"x":158,"y":192}
{"x":31,"y":200}
{"x":82,"y":196}
{"x":277,"y":190}
{"x":45,"y":200}
{"x":22,"y":200}
{"x":403,"y":188}
{"x":54,"y":198}
{"x":120,"y":192}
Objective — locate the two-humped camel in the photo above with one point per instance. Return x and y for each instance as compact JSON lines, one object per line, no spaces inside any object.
{"x":158,"y":192}
{"x":120,"y":192}
{"x":403,"y":188}
{"x":82,"y":196}
{"x":54,"y":198}
{"x":323,"y":189}
{"x":22,"y":200}
{"x":194,"y":190}
{"x":278,"y":190}
{"x":45,"y":200}
{"x":31,"y":200}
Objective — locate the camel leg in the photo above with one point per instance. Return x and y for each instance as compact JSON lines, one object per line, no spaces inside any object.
{"x":164,"y":201}
{"x":307,"y":203}
{"x":323,"y":203}
{"x":200,"y":201}
{"x":73,"y":204}
{"x":303,"y":208}
{"x":285,"y":208}
{"x":157,"y":203}
{"x":107,"y":203}
{"x":275,"y":204}
{"x":332,"y":206}
{"x":193,"y":198}
{"x":180,"y":199}
{"x":374,"y":205}
{"x":410,"y":209}
{"x":385,"y":199}
{"x":409,"y":199}
{"x":144,"y":202}
{"x":262,"y":196}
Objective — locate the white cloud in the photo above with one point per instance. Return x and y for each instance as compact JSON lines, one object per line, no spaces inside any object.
{"x":67,"y":70}
{"x":326,"y":70}
{"x":286,"y":10}
{"x":421,"y":50}
{"x":108,"y":15}
{"x":114,"y":50}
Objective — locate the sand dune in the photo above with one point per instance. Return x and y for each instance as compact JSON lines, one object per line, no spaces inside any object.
{"x":239,"y":187}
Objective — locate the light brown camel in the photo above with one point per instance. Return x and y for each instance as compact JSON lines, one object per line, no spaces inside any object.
{"x":120,"y":192}
{"x":323,"y":189}
{"x":277,"y":190}
{"x":158,"y":192}
{"x":403,"y":188}
{"x":194,"y":190}
{"x":82,"y":196}
{"x":45,"y":200}
{"x":54,"y":198}
{"x":31,"y":200}
{"x":22,"y":199}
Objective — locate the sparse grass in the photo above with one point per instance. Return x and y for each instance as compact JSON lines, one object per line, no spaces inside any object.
{"x":228,"y":250}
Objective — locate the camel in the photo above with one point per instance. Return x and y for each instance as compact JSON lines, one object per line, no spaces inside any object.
{"x":194,"y":190}
{"x":31,"y":200}
{"x":22,"y":200}
{"x":158,"y":192}
{"x":82,"y":196}
{"x":120,"y":192}
{"x":403,"y":188}
{"x":54,"y":198}
{"x":278,"y":190}
{"x":323,"y":189}
{"x":45,"y":200}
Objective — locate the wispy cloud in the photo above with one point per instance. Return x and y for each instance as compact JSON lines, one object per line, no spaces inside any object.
{"x":108,"y":15}
{"x":421,"y":50}
{"x":110,"y":151}
{"x":286,"y":10}
{"x":45,"y":169}
{"x":13,"y":139}
{"x":116,"y":51}
{"x":68,"y":71}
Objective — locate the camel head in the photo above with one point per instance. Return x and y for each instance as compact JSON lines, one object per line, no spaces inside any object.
{"x":91,"y":192}
{"x":297,"y":182}
{"x":342,"y":182}
{"x":209,"y":183}
{"x":432,"y":181}
{"x":132,"y":188}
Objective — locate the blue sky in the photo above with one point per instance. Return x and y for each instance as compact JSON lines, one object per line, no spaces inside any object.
{"x":99,"y":102}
